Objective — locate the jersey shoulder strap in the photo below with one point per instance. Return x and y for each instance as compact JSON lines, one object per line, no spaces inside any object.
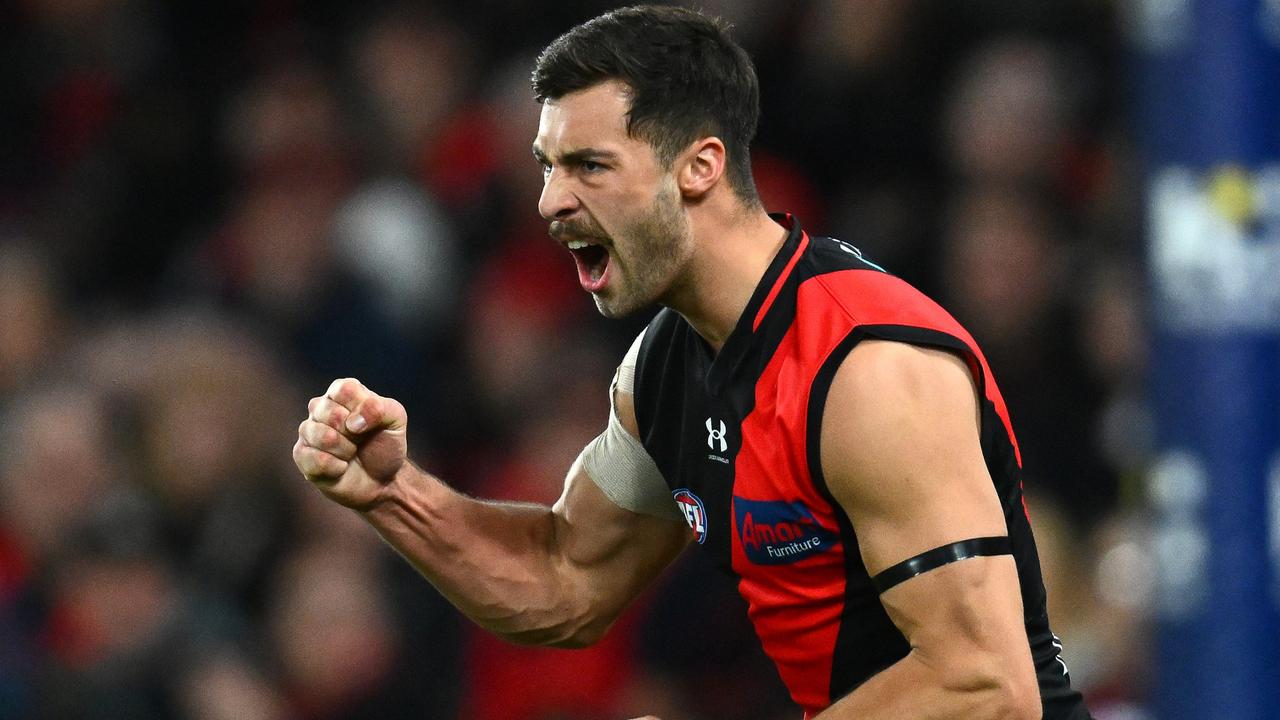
{"x":659,"y":367}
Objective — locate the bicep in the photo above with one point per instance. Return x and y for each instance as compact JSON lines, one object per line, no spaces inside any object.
{"x":616,"y":525}
{"x":611,"y":551}
{"x":901,"y":452}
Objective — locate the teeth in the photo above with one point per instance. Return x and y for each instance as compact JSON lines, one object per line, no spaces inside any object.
{"x":578,"y":244}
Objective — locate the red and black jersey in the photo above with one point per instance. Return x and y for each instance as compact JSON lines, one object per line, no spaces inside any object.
{"x":736,"y":436}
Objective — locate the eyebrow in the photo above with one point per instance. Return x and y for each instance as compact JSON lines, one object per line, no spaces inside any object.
{"x":576,"y":157}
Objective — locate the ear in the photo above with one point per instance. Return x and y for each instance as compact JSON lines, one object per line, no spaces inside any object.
{"x":701,"y":167}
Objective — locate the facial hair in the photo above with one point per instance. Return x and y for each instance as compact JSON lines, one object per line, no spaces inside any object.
{"x":647,"y":256}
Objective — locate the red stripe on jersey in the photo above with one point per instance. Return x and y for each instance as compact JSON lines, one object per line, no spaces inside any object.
{"x":782,"y":280}
{"x":796,"y":608}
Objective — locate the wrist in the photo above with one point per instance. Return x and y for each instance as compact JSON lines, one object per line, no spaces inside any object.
{"x":411,"y":488}
{"x":410,"y":516}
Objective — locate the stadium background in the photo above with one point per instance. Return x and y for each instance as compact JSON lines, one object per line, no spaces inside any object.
{"x":209,"y":211}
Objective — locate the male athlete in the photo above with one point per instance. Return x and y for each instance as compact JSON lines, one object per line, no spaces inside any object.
{"x":832,"y":437}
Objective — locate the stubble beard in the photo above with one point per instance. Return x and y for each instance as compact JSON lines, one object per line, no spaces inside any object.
{"x":658,"y":243}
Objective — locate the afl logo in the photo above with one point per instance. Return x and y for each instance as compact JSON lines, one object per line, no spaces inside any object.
{"x":695,"y":513}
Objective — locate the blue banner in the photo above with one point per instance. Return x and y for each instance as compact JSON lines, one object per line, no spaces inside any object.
{"x":1208,"y":119}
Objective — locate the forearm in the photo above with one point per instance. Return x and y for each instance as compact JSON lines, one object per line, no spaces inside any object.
{"x":913,"y":688}
{"x":498,"y":563}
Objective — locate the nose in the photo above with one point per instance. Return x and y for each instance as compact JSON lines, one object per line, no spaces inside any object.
{"x":558,"y":202}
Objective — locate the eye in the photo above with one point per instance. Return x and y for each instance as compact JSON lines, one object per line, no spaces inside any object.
{"x":591,"y":166}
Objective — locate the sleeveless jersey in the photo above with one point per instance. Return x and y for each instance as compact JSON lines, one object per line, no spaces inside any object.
{"x":735,"y":435}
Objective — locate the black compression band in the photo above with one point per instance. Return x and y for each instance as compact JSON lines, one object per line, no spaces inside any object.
{"x":939,"y":556}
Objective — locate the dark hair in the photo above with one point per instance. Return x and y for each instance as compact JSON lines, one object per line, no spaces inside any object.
{"x":688,"y":79}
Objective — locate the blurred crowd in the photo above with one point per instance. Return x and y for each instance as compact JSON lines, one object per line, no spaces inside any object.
{"x":208,"y":211}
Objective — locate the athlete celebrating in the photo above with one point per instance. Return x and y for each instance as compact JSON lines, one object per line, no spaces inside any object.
{"x":831,"y":436}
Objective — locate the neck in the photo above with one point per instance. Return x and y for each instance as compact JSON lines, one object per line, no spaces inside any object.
{"x":732,"y":251}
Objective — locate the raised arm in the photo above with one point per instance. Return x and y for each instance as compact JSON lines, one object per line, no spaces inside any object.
{"x":535,"y":575}
{"x":900,"y":451}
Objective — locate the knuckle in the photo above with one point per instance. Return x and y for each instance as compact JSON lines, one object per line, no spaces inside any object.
{"x":329,"y":437}
{"x":319,"y":465}
{"x":333,"y":466}
{"x":344,"y":388}
{"x":305,"y":433}
{"x":304,"y":458}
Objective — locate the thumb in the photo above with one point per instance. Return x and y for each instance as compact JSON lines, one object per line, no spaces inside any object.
{"x":377,"y":413}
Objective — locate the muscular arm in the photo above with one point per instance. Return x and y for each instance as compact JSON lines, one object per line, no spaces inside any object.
{"x":535,"y":575}
{"x":901,"y":454}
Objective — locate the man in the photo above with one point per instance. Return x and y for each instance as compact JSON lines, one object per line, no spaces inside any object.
{"x":832,"y":437}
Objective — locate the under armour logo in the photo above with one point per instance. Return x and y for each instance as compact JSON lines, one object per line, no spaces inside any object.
{"x":714,"y":435}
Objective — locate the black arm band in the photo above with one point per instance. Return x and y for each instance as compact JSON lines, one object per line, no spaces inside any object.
{"x":939,"y":556}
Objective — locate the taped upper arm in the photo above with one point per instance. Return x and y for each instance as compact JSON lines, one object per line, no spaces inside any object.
{"x":618,"y":462}
{"x":616,"y":524}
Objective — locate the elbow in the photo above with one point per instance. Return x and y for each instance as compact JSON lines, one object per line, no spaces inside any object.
{"x":1015,"y":696}
{"x":995,"y":690}
{"x":563,"y":637}
{"x":583,"y":634}
{"x":571,"y":632}
{"x":584,"y":637}
{"x":1025,"y":703}
{"x":1018,"y":704}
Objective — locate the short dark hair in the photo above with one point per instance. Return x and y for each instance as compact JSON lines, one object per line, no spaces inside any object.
{"x":688,"y":79}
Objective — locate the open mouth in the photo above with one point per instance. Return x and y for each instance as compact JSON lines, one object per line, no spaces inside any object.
{"x":592,"y":261}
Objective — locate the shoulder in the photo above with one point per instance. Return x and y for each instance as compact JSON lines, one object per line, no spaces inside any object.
{"x":624,"y":387}
{"x":661,"y":364}
{"x":830,"y":254}
{"x":891,"y":373}
{"x":890,"y":401}
{"x":660,"y":347}
{"x":661,"y":330}
{"x":900,"y":447}
{"x":836,"y":276}
{"x":886,"y":388}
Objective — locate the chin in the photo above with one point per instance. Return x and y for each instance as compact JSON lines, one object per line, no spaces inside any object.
{"x":609,"y":310}
{"x":617,"y":308}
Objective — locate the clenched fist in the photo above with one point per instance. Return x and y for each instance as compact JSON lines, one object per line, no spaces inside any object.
{"x":352,"y":444}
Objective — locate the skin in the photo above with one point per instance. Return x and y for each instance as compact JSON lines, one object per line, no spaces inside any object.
{"x":678,"y":237}
{"x":561,"y":575}
{"x":915,"y":480}
{"x":536,"y":575}
{"x":645,"y":251}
